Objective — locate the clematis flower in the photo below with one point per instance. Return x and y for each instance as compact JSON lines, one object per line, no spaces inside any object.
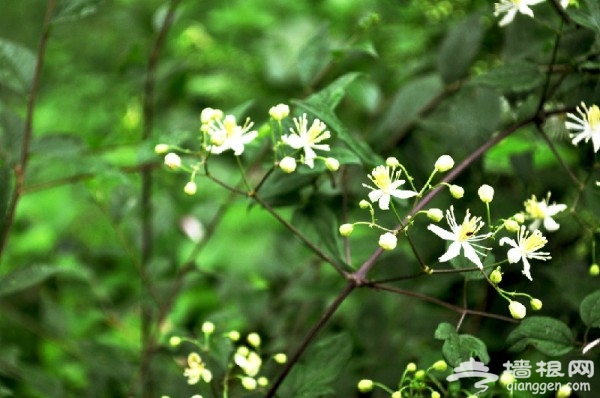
{"x":587,"y":126}
{"x":307,"y":139}
{"x":512,"y":7}
{"x":248,"y":360}
{"x":196,"y":370}
{"x":526,"y":247}
{"x":542,"y":212}
{"x":462,"y":236}
{"x":387,"y":181}
{"x":227,"y":134}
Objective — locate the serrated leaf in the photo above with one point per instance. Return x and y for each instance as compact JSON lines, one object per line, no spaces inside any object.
{"x":464,"y":347}
{"x":23,"y":278}
{"x":589,"y":310}
{"x":322,"y":364}
{"x":460,"y":48}
{"x":548,"y":335}
{"x":17,"y":64}
{"x":314,"y":56}
{"x":516,"y":76}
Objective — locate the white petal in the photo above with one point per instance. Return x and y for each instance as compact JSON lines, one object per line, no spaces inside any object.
{"x":292,"y":140}
{"x":442,"y":233}
{"x":555,"y":209}
{"x":384,"y":202}
{"x":526,"y":268}
{"x":453,"y":251}
{"x":508,"y":18}
{"x":514,"y":255}
{"x":509,"y":241}
{"x":375,"y":195}
{"x":403,"y":194}
{"x":550,"y":224}
{"x":471,"y":254}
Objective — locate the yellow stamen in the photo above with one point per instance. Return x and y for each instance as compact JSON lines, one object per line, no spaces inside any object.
{"x":534,"y":241}
{"x":534,"y":208}
{"x":381,"y":177}
{"x":469,"y":227}
{"x":593,"y":116}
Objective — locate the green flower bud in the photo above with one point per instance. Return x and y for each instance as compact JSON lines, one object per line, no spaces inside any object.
{"x":172,"y":161}
{"x":511,"y":225}
{"x":517,"y":310}
{"x":496,"y":276}
{"x":444,"y":163}
{"x":365,"y":385}
{"x":507,"y":378}
{"x":594,"y":270}
{"x":332,"y":164}
{"x":519,"y":217}
{"x":420,"y":374}
{"x":190,"y":188}
{"x":388,"y":241}
{"x":435,"y":215}
{"x":536,"y":304}
{"x":280,"y":358}
{"x":279,"y":112}
{"x":392,"y":162}
{"x":564,"y":391}
{"x":346,"y":229}
{"x":249,"y":383}
{"x":411,"y":367}
{"x":208,"y":327}
{"x":262,"y":381}
{"x":233,"y":335}
{"x":440,"y":365}
{"x":456,"y":191}
{"x":254,"y":339}
{"x":435,"y":394}
{"x":363,"y":204}
{"x":174,"y":341}
{"x":161,"y":148}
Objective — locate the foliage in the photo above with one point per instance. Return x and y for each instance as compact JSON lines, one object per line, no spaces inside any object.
{"x":428,"y":180}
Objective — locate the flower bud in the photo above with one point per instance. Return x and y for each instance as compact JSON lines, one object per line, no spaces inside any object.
{"x":420,"y":374}
{"x":594,"y":270}
{"x":174,"y":341}
{"x":287,"y":164}
{"x":190,"y":188}
{"x":208,"y":327}
{"x":253,"y":339}
{"x":435,"y":215}
{"x":388,"y":241}
{"x":511,"y":225}
{"x":233,"y":335}
{"x":496,"y":276}
{"x":172,"y":161}
{"x":279,"y":112}
{"x":536,"y":304}
{"x":440,"y":365}
{"x":346,"y":229}
{"x":507,"y":378}
{"x":564,"y":391}
{"x":444,"y":163}
{"x":363,"y":204}
{"x":517,"y":310}
{"x":161,"y":148}
{"x":486,"y":193}
{"x":332,"y":164}
{"x":435,"y":394}
{"x":280,"y":358}
{"x":456,"y":191}
{"x":519,"y":217}
{"x":262,"y":381}
{"x":365,"y":385}
{"x":248,"y":383}
{"x":392,"y":162}
{"x":411,"y":367}
{"x":396,"y":394}
{"x":209,"y":114}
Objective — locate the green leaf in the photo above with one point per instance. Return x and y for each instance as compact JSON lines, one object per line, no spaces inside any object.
{"x":11,"y":137}
{"x":322,"y":364}
{"x":314,"y":56}
{"x":590,"y":310}
{"x":517,"y":76}
{"x":475,"y":114}
{"x":6,"y":188}
{"x":460,"y":48}
{"x":17,"y":64}
{"x":460,"y":348}
{"x":589,"y":18}
{"x":70,"y":10}
{"x":548,"y":335}
{"x":23,"y":278}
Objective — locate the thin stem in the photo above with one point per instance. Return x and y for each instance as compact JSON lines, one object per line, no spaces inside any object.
{"x":21,"y":167}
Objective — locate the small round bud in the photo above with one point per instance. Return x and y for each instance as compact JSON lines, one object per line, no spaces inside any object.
{"x":233,"y":335}
{"x":496,"y":276}
{"x":388,"y":241}
{"x":363,"y":204}
{"x":435,"y":394}
{"x":249,"y":383}
{"x":190,"y":188}
{"x":519,"y":217}
{"x":208,"y":327}
{"x":435,"y":215}
{"x":174,"y":341}
{"x":440,"y":365}
{"x":332,"y":164}
{"x":444,"y":163}
{"x":507,"y":378}
{"x":209,"y":114}
{"x":253,"y":339}
{"x":279,"y":112}
{"x":517,"y":310}
{"x":280,"y":358}
{"x":397,"y":394}
{"x":346,"y":229}
{"x":365,"y":385}
{"x":262,"y":381}
{"x":287,"y":164}
{"x":511,"y":225}
{"x":456,"y":191}
{"x":536,"y":304}
{"x":172,"y":161}
{"x":564,"y":391}
{"x":392,"y":162}
{"x":420,"y":374}
{"x":161,"y":148}
{"x":594,"y":270}
{"x":411,"y":367}
{"x":486,"y":193}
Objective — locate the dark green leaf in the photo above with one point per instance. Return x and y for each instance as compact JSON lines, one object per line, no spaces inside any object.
{"x":5,"y":193}
{"x":444,"y":331}
{"x":322,"y":364}
{"x":23,"y":278}
{"x":476,"y":113}
{"x":17,"y":64}
{"x":459,"y":348}
{"x":589,"y":18}
{"x":11,"y":137}
{"x":460,"y":48}
{"x":516,"y":76}
{"x":70,"y":10}
{"x":548,"y":335}
{"x":314,"y":56}
{"x":590,"y":310}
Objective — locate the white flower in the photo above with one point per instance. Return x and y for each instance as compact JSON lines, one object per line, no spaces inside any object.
{"x":525,"y":248}
{"x":307,"y":139}
{"x":249,"y":361}
{"x":543,"y":212}
{"x":388,"y":241}
{"x":226,"y":134}
{"x":462,"y":236}
{"x":511,"y":7}
{"x":386,"y":180}
{"x":587,"y":126}
{"x":196,"y":370}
